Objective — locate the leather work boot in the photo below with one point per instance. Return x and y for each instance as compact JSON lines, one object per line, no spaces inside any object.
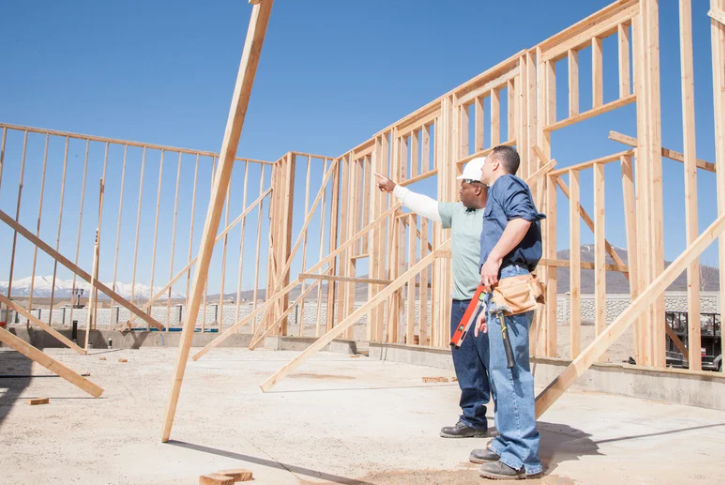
{"x":461,"y":430}
{"x":497,"y":470}
{"x":483,"y":455}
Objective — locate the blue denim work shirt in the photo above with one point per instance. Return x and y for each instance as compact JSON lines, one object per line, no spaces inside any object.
{"x":510,"y":198}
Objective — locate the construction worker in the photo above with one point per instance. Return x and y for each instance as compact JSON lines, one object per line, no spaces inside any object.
{"x":510,"y":246}
{"x":465,"y":219}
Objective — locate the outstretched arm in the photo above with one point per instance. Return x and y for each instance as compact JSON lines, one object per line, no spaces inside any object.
{"x":418,"y":203}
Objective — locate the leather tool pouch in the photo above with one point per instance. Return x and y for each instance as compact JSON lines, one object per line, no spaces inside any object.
{"x":518,"y":294}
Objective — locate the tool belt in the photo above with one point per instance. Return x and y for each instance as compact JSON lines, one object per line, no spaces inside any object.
{"x":518,"y":294}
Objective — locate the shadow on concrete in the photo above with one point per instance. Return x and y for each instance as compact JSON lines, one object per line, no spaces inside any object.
{"x":271,"y":463}
{"x":661,"y":433}
{"x":560,"y":443}
{"x":109,"y":351}
{"x":12,"y":388}
{"x":383,"y":388}
{"x":139,"y":339}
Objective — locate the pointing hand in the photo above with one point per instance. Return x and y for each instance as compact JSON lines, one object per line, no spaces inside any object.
{"x":384,"y":183}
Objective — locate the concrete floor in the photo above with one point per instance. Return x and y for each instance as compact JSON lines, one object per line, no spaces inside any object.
{"x":338,"y":420}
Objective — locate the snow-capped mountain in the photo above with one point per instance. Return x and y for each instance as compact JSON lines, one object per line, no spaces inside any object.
{"x":64,"y":288}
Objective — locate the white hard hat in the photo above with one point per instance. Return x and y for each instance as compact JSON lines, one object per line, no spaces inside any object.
{"x":473,"y":169}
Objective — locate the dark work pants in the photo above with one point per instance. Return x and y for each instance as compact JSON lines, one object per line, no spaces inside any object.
{"x":470,"y":364}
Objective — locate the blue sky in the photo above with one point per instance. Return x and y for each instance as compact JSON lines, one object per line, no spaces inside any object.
{"x":332,"y":73}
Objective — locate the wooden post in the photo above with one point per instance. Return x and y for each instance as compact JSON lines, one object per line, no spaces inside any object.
{"x":410,"y":312}
{"x":220,"y":315}
{"x":345,"y":191}
{"x":156,"y":228}
{"x":691,"y":229}
{"x":630,"y":223}
{"x":17,"y":213}
{"x":495,"y":117}
{"x":286,"y":226}
{"x":551,"y":344}
{"x":259,"y":236}
{"x":60,"y":222}
{"x":92,"y":297}
{"x":37,"y":229}
{"x":191,"y":228}
{"x":241,"y":238}
{"x":2,"y":153}
{"x":600,"y":274}
{"x":322,"y":252}
{"x":334,"y":208}
{"x":138,"y":225}
{"x":512,"y":109}
{"x":99,"y":226}
{"x":625,"y":87}
{"x":301,"y":320}
{"x":120,"y":213}
{"x":575,"y":269}
{"x":242,"y":92}
{"x":573,"y":59}
{"x":597,"y":73}
{"x":717,"y":30}
{"x":173,"y":243}
{"x":478,"y":125}
{"x":423,"y":318}
{"x":80,"y":222}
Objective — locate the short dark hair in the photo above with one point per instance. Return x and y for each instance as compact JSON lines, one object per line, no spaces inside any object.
{"x":508,"y":157}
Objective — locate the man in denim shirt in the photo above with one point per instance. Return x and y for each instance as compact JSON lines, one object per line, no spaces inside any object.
{"x":510,"y":246}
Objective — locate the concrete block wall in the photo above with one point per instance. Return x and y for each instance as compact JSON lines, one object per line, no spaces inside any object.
{"x":617,"y":303}
{"x":110,"y":317}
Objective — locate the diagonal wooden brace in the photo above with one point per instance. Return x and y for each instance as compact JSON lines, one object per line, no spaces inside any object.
{"x":610,"y":335}
{"x":350,"y":320}
{"x":35,"y":321}
{"x":77,"y":270}
{"x":49,"y":363}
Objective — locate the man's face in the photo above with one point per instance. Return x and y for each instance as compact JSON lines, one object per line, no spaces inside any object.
{"x":469,"y":193}
{"x":487,"y":170}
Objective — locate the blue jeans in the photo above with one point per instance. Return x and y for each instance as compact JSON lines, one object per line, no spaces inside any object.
{"x":470,"y":364}
{"x":513,"y":390}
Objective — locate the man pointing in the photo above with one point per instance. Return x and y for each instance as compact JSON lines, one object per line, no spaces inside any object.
{"x":465,"y":219}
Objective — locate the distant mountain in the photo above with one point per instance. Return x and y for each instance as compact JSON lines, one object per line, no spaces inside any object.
{"x":64,"y":288}
{"x":617,"y":283}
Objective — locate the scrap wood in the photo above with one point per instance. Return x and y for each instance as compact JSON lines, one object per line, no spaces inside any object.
{"x":123,"y":361}
{"x":238,"y":474}
{"x":215,"y":479}
{"x":38,"y":400}
{"x":427,"y":380}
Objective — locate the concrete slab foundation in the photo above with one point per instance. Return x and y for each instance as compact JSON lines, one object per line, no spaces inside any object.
{"x":337,"y":420}
{"x":703,"y":389}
